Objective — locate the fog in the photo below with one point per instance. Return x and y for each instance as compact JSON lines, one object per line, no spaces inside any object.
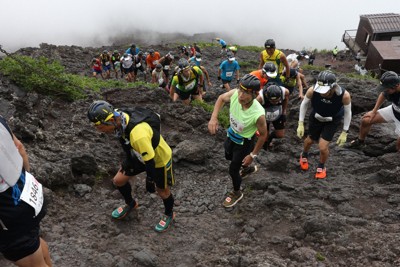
{"x":292,"y":24}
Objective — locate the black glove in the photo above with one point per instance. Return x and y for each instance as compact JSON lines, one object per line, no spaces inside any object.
{"x":219,"y":78}
{"x":237,"y":81}
{"x":150,"y":186}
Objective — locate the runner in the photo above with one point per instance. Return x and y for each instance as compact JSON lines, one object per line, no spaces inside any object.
{"x":330,"y":103}
{"x":228,"y":70}
{"x":271,"y":54}
{"x":146,"y":151}
{"x":186,"y":83}
{"x":21,"y":205}
{"x":274,"y":100}
{"x":246,"y":117}
{"x":389,"y":90}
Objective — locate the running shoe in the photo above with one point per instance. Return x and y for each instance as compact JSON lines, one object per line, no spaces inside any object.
{"x":303,"y":163}
{"x":245,"y":171}
{"x":232,"y":199}
{"x":321,"y":173}
{"x":122,"y":211}
{"x":164,"y":223}
{"x":356,"y":144}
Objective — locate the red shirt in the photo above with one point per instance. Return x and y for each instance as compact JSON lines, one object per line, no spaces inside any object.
{"x":258,"y":74}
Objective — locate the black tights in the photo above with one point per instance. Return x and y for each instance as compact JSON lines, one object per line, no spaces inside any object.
{"x":236,"y":153}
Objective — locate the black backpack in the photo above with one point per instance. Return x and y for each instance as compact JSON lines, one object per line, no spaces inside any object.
{"x":140,"y":114}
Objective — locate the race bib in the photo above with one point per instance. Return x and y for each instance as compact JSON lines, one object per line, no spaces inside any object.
{"x":236,"y":125}
{"x":107,"y":63}
{"x":272,"y":116}
{"x":229,"y":74}
{"x":166,"y":67}
{"x":160,"y":81}
{"x":190,"y":85}
{"x":138,"y":65}
{"x":32,"y":194}
{"x":322,"y":118}
{"x":155,"y":62}
{"x":273,"y":113}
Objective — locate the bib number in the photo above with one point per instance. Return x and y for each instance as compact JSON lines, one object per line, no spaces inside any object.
{"x":190,"y":86}
{"x":32,"y":194}
{"x":236,"y":125}
{"x":229,"y":74}
{"x":138,"y":65}
{"x":166,"y":67}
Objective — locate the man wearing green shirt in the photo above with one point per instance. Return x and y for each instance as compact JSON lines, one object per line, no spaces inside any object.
{"x":246,"y":117}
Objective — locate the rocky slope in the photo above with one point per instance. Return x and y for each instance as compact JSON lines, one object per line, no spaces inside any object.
{"x":286,"y":218}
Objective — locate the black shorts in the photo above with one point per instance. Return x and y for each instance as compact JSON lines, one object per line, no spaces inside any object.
{"x":279,"y":124}
{"x":141,"y":68}
{"x":291,"y":89}
{"x":185,"y":95}
{"x":25,"y":243}
{"x":164,"y":175}
{"x":166,"y":72}
{"x":127,"y":70}
{"x":324,"y":130}
{"x":23,"y":239}
{"x":226,"y":81}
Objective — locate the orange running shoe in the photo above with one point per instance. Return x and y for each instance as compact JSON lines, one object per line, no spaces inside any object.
{"x":321,"y":173}
{"x":303,"y":163}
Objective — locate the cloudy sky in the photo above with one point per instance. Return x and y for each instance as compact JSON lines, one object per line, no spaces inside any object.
{"x":293,"y":24}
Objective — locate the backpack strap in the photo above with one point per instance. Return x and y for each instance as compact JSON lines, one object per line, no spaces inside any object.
{"x":196,"y":76}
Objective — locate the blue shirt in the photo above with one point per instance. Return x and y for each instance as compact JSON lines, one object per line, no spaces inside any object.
{"x":194,"y":61}
{"x":222,"y":42}
{"x":129,"y":51}
{"x":228,"y":69}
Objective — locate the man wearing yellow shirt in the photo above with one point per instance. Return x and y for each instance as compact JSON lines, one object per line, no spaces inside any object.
{"x":146,"y":151}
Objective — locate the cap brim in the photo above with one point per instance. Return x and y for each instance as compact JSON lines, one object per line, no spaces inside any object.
{"x":322,"y":89}
{"x":272,"y":74}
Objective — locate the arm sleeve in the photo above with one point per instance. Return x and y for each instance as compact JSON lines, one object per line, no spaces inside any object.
{"x":303,"y":108}
{"x":347,"y":117}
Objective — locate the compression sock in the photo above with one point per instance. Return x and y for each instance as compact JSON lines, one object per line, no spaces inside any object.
{"x":126,"y":192}
{"x":321,"y":165}
{"x":169,"y":204}
{"x":304,"y":154}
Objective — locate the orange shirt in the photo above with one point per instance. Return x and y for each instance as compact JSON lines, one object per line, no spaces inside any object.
{"x":258,"y":74}
{"x":152,"y":61}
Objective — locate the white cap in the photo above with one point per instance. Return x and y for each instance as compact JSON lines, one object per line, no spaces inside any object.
{"x":321,"y":88}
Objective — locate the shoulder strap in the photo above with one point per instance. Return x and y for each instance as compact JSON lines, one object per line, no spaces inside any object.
{"x":138,"y":115}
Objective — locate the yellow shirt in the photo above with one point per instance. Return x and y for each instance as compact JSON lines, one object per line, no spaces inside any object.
{"x":140,"y":140}
{"x":274,"y":58}
{"x":190,"y":83}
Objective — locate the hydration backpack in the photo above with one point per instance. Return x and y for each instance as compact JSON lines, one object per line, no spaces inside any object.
{"x":140,"y":114}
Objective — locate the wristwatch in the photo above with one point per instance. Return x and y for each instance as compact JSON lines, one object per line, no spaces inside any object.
{"x":253,"y":156}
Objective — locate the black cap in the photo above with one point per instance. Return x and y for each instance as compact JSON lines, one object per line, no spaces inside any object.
{"x":388,"y":80}
{"x":250,"y":83}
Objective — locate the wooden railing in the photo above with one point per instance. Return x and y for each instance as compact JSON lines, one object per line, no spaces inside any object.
{"x":350,"y":41}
